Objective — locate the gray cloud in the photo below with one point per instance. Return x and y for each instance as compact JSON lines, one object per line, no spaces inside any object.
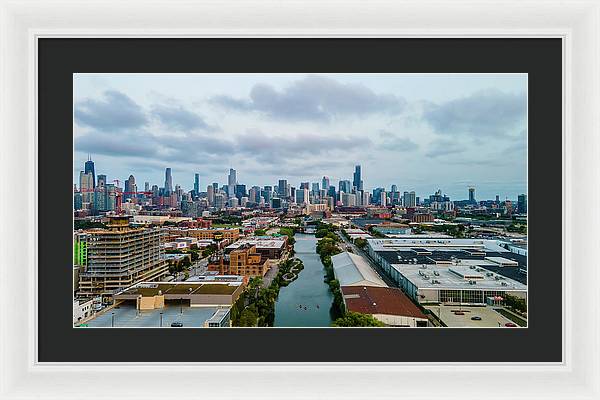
{"x":485,"y":113}
{"x":114,"y":112}
{"x":393,"y":142}
{"x":179,"y":118}
{"x":443,"y":148}
{"x":313,"y":98}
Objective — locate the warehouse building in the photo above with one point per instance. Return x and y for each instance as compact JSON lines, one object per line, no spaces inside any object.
{"x":353,"y":270}
{"x":451,"y":271}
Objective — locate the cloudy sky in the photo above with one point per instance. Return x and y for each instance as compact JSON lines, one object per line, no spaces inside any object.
{"x":418,"y":131}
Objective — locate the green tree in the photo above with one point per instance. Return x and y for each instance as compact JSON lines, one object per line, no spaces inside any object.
{"x":360,"y":243}
{"x":356,"y":319}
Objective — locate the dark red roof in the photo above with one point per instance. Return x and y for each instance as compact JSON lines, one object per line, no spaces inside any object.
{"x":380,"y":300}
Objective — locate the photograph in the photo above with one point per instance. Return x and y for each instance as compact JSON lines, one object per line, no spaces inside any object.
{"x":300,"y":200}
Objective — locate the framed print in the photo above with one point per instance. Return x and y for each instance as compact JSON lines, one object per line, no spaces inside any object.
{"x":370,"y":203}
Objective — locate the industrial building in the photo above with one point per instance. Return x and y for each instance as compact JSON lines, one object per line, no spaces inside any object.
{"x":267,"y":246}
{"x":119,"y":257}
{"x":451,"y":271}
{"x":353,"y":270}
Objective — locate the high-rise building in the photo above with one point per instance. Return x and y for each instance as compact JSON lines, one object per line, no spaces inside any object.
{"x":315,"y":188}
{"x":130,"y":188}
{"x":231,"y":182}
{"x":215,"y":186}
{"x":472,"y":195}
{"x":168,"y":182}
{"x":383,"y":198}
{"x":345,"y":186}
{"x":522,"y":204}
{"x":303,"y":196}
{"x":240,"y":191}
{"x":365,"y":198}
{"x":325,"y":183}
{"x":357,"y":182}
{"x":282,"y":188}
{"x":394,"y":188}
{"x":89,"y":169}
{"x":197,"y":184}
{"x":121,"y":256}
{"x":348,"y":199}
{"x":210,"y":194}
{"x":146,"y":186}
{"x":409,"y":199}
{"x":86,"y":186}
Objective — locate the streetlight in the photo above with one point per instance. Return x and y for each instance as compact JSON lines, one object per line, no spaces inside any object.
{"x":112,"y":320}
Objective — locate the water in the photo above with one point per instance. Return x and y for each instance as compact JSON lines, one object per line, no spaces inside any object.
{"x":309,"y":290}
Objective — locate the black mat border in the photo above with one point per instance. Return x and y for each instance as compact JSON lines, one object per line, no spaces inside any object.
{"x":60,"y":58}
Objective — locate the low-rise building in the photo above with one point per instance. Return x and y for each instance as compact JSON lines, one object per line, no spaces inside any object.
{"x":353,"y":270}
{"x":388,"y":305}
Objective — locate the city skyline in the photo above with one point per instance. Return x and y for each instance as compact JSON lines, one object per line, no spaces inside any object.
{"x":469,"y":190}
{"x":419,"y":132}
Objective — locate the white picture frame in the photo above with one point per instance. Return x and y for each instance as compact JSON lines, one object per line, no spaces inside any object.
{"x":22,"y":23}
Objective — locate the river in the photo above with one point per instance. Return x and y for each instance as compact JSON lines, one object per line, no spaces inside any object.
{"x":309,"y":290}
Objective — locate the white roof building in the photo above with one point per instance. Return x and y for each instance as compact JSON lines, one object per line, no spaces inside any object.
{"x":353,"y":270}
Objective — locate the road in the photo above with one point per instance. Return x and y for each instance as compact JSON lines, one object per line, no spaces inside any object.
{"x":198,"y":267}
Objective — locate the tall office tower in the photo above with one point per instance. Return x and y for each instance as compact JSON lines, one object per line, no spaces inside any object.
{"x":146,"y":186}
{"x":240,"y":191}
{"x":522,"y":204}
{"x":497,"y":199}
{"x":252,"y":195}
{"x":302,"y":196}
{"x":111,"y":197}
{"x":394,"y":189}
{"x":130,"y":188}
{"x":139,"y":258}
{"x":168,"y":182}
{"x":291,"y":193}
{"x":315,"y":188}
{"x":219,"y":201}
{"x":231,"y":182}
{"x":197,"y":184}
{"x":215,"y":186}
{"x":472,"y":195}
{"x":256,"y":193}
{"x":325,"y":183}
{"x":86,"y":186}
{"x":357,"y":182}
{"x":410,"y":199}
{"x":365,"y":198}
{"x":303,"y":185}
{"x":331,"y":192}
{"x":77,"y":201}
{"x":267,"y":193}
{"x":282,"y":188}
{"x":383,"y":198}
{"x":155,"y":190}
{"x":345,"y":186}
{"x":348,"y":199}
{"x":210,"y":194}
{"x":100,"y":194}
{"x":89,"y":169}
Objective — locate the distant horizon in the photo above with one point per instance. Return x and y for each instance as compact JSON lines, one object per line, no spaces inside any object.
{"x":421,"y":132}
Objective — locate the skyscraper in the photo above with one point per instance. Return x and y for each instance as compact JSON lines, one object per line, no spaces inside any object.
{"x":522,"y":204}
{"x":325,"y":183}
{"x":210,"y":194}
{"x":197,"y":184}
{"x":86,"y":186}
{"x":168,"y":182}
{"x":231,"y":182}
{"x":282,"y":188}
{"x":130,"y":188}
{"x":345,"y":187}
{"x":89,"y":169}
{"x":410,"y":199}
{"x":357,"y":181}
{"x":472,"y":195}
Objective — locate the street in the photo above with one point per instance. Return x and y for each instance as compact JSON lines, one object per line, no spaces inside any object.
{"x":198,"y":267}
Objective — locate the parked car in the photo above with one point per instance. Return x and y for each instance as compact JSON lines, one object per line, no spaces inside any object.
{"x":476,"y":318}
{"x":177,"y":324}
{"x":510,"y":325}
{"x":459,"y":313}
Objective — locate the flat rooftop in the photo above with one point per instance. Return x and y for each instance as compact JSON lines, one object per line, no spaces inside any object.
{"x":436,"y":243}
{"x":456,"y":277}
{"x":489,"y":317}
{"x":180,"y":288}
{"x":127,"y":316}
